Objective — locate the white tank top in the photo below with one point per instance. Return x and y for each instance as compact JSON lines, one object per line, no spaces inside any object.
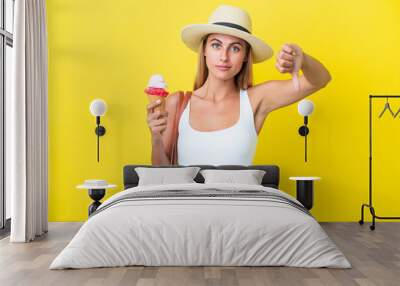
{"x":234,"y":145}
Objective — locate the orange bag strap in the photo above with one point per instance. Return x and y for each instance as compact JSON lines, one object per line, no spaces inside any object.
{"x":182,"y":102}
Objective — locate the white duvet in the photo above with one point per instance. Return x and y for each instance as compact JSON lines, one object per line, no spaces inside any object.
{"x":200,"y":231}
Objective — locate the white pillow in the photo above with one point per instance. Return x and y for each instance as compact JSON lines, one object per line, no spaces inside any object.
{"x":249,"y":177}
{"x":169,"y":175}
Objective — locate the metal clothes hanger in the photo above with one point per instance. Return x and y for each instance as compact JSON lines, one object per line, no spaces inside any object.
{"x":387,"y":107}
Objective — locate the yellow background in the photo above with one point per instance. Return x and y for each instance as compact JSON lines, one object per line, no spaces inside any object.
{"x":108,"y":49}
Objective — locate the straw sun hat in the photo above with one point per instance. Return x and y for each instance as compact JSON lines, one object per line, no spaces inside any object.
{"x":228,"y":20}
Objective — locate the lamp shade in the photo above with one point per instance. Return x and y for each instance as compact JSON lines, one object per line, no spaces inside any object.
{"x":305,"y":107}
{"x":98,"y":107}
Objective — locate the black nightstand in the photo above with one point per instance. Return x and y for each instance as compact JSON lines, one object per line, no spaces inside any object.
{"x":96,"y":193}
{"x":304,"y":190}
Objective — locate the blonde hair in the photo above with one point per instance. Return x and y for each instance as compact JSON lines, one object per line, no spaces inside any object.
{"x":243,"y":79}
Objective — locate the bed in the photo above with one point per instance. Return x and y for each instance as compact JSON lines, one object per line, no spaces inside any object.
{"x":201,"y":224}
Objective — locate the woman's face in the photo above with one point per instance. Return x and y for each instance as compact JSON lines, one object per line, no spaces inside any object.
{"x":224,"y":55}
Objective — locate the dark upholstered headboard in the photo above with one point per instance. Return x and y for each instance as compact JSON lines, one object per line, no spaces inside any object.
{"x":270,"y":179}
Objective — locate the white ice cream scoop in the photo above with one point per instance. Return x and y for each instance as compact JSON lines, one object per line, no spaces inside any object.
{"x":157,"y":81}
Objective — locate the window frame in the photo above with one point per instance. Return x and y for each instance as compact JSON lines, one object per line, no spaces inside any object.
{"x":6,"y":39}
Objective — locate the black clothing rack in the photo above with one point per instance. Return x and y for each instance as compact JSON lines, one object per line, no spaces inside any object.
{"x":370,"y":206}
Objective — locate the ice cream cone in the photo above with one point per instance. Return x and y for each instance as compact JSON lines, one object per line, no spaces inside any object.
{"x":160,"y":107}
{"x":156,"y":90}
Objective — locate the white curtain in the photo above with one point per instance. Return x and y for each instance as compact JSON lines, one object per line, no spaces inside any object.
{"x":26,"y":123}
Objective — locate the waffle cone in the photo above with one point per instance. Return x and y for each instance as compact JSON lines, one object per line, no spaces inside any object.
{"x":160,"y":107}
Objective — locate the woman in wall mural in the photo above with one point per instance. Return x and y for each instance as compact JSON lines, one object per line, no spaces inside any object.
{"x":225,"y":113}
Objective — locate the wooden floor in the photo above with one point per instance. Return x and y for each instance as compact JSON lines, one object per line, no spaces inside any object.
{"x":374,"y":255}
